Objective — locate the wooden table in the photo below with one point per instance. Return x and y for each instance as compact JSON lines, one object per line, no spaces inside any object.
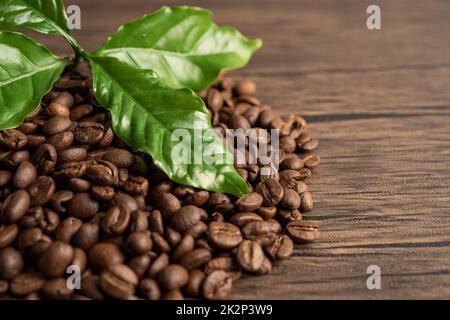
{"x":379,"y":101}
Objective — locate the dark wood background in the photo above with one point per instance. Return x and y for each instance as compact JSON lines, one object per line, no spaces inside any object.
{"x":379,"y":101}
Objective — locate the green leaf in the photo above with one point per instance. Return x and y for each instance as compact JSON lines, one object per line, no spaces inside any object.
{"x":145,"y":114}
{"x":182,"y":45}
{"x":27,"y":73}
{"x":45,"y":16}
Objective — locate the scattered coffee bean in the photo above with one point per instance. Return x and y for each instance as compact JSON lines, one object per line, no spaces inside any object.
{"x":303,"y":231}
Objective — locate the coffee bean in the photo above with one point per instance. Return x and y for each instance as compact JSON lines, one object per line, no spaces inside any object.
{"x":281,"y":248}
{"x":242,"y":218}
{"x":291,"y":199}
{"x":249,"y":202}
{"x":159,"y":264}
{"x":172,"y":295}
{"x":35,"y":141}
{"x":185,"y":246}
{"x":28,"y":237}
{"x":55,"y":260}
{"x":124,"y":200}
{"x":139,"y":221}
{"x":26,"y":283}
{"x":139,"y":264}
{"x":71,"y":170}
{"x":103,"y":193}
{"x":86,"y":236}
{"x":266,"y":267}
{"x":15,"y":206}
{"x":88,"y":132}
{"x":298,"y":186}
{"x":116,"y":220}
{"x":103,"y":255}
{"x":214,"y":100}
{"x":306,"y":202}
{"x":173,"y":277}
{"x":287,"y":216}
{"x":119,"y":157}
{"x":194,"y":285}
{"x":239,"y":122}
{"x":79,"y":112}
{"x":11,"y":160}
{"x":72,"y":155}
{"x":217,"y":285}
{"x":167,"y":203}
{"x":173,"y":237}
{"x":59,"y":199}
{"x":271,"y":191}
{"x":118,"y":281}
{"x":79,"y":259}
{"x":25,"y":175}
{"x":11,"y":263}
{"x":160,"y":244}
{"x":138,"y":243}
{"x":310,"y":145}
{"x":311,"y":161}
{"x":41,"y":191}
{"x":223,"y":235}
{"x":45,"y":158}
{"x":245,"y":87}
{"x":82,"y":206}
{"x":56,"y":125}
{"x":68,"y":228}
{"x":57,"y":109}
{"x":250,"y":256}
{"x":90,"y":286}
{"x":12,"y":139}
{"x":64,"y":98}
{"x":221,"y":263}
{"x":197,"y":199}
{"x":56,"y":289}
{"x":136,"y":186}
{"x":103,"y":173}
{"x":195,"y":259}
{"x":5,"y":177}
{"x":7,"y":234}
{"x":303,"y":231}
{"x":185,"y":217}
{"x":287,"y":144}
{"x":149,"y":289}
{"x":156,"y":222}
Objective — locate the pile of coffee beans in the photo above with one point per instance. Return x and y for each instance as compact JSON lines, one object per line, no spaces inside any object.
{"x":75,"y":200}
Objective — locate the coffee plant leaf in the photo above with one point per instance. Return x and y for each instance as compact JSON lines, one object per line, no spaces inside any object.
{"x":151,"y":117}
{"x":182,"y":45}
{"x":27,"y":72}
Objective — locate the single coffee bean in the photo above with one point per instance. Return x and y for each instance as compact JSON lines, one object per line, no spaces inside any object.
{"x":287,"y":144}
{"x":90,"y":286}
{"x":172,"y":295}
{"x":216,"y":199}
{"x":41,"y":191}
{"x":25,"y":175}
{"x":156,"y":222}
{"x":195,"y":259}
{"x":159,"y":264}
{"x":221,"y":263}
{"x":88,"y":133}
{"x":57,"y":109}
{"x":291,"y":199}
{"x":34,"y":141}
{"x":5,"y":177}
{"x":139,"y":264}
{"x":64,"y":98}
{"x":119,"y":157}
{"x":184,"y":218}
{"x":167,"y":203}
{"x":82,"y":206}
{"x":223,"y":235}
{"x":139,"y":221}
{"x":310,"y":145}
{"x":68,"y":228}
{"x":198,"y":229}
{"x":249,"y":202}
{"x":173,"y":237}
{"x":27,"y":283}
{"x":149,"y":289}
{"x":81,"y":111}
{"x":303,"y":231}
{"x":7,"y":234}
{"x":79,"y":259}
{"x":45,"y":158}
{"x":266,"y":267}
{"x":71,"y":170}
{"x":293,"y":163}
{"x":266,"y":212}
{"x":86,"y":236}
{"x":306,"y":202}
{"x":250,"y":256}
{"x":124,"y":200}
{"x":103,"y":173}
{"x":12,"y":139}
{"x":198,"y":199}
{"x":50,"y":221}
{"x":160,"y":244}
{"x":28,"y":128}
{"x":78,"y":185}
{"x":108,"y":138}
{"x":214,"y":100}
{"x":242,"y":218}
{"x":72,"y":155}
{"x":116,"y":220}
{"x":103,"y":255}
{"x":11,"y":160}
{"x":55,"y":260}
{"x":119,"y":281}
{"x":28,"y":237}
{"x":271,"y":191}
{"x":281,"y":248}
{"x":59,"y":199}
{"x":185,"y":246}
{"x":15,"y":206}
{"x":138,"y":243}
{"x":296,"y":185}
{"x":11,"y":263}
{"x":173,"y":277}
{"x":57,"y":289}
{"x":245,"y":87}
{"x":311,"y":161}
{"x":56,"y":125}
{"x":136,"y":186}
{"x":286,"y":216}
{"x":217,"y":285}
{"x":103,"y":193}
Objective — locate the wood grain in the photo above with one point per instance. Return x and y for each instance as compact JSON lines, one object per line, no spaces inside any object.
{"x":379,"y":101}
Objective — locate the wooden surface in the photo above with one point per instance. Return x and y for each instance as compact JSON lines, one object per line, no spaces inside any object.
{"x":379,"y":101}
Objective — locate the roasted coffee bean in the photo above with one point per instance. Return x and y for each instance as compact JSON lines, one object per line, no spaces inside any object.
{"x":108,"y":138}
{"x":194,"y":285}
{"x":15,"y":206}
{"x":293,"y":163}
{"x":195,"y":259}
{"x":103,"y":193}
{"x":266,"y":267}
{"x":59,"y":199}
{"x":217,"y":285}
{"x":197,"y":199}
{"x":281,"y":248}
{"x":27,"y":283}
{"x":124,"y":200}
{"x":287,"y":144}
{"x":139,"y":221}
{"x":291,"y":199}
{"x":245,"y":87}
{"x":35,"y":141}
{"x":185,"y":217}
{"x":156,"y":222}
{"x":310,"y":145}
{"x":172,"y":295}
{"x":116,"y":220}
{"x":72,"y":155}
{"x":55,"y":260}
{"x":28,"y":237}
{"x":78,"y":185}
{"x":68,"y":228}
{"x":223,"y":235}
{"x":103,"y":255}
{"x":57,"y":289}
{"x":149,"y":289}
{"x":138,"y":243}
{"x":41,"y":191}
{"x":303,"y":231}
{"x":7,"y":234}
{"x":185,"y":246}
{"x":137,"y":186}
{"x":159,"y":264}
{"x":82,"y":206}
{"x":28,"y":128}
{"x":214,"y":100}
{"x":103,"y":173}
{"x":311,"y":161}
{"x":182,"y":191}
{"x":298,"y":186}
{"x":79,"y":259}
{"x":167,"y":203}
{"x":56,"y":109}
{"x":160,"y":244}
{"x":5,"y":177}
{"x":119,"y":157}
{"x":239,"y":122}
{"x":173,"y":277}
{"x":286,"y":216}
{"x":271,"y":191}
{"x":90,"y":286}
{"x":139,"y":264}
{"x":306,"y":202}
{"x":119,"y":281}
{"x":25,"y":175}
{"x":266,"y":212}
{"x":250,"y":256}
{"x":81,"y":111}
{"x":11,"y":263}
{"x":11,"y":160}
{"x":56,"y":125}
{"x":198,"y":229}
{"x":45,"y":158}
{"x":217,"y":216}
{"x":249,"y":202}
{"x":71,"y":170}
{"x":12,"y":139}
{"x":64,"y":98}
{"x":173,"y":237}
{"x":86,"y":236}
{"x":242,"y":218}
{"x":221,"y":263}
{"x":88,"y":132}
